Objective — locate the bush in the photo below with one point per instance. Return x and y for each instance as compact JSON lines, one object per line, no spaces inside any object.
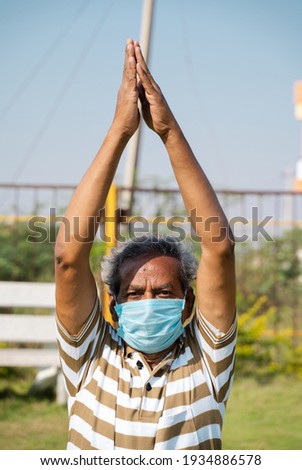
{"x":262,"y":350}
{"x":21,"y":260}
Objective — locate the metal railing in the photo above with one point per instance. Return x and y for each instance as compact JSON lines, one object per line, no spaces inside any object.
{"x":266,"y":224}
{"x":277,"y":211}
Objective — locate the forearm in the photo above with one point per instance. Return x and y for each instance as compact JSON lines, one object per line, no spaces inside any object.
{"x":215,"y":281}
{"x":81,"y":220}
{"x":201,"y":202}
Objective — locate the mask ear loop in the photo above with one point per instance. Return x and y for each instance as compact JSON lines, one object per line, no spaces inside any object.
{"x":188,"y":320}
{"x":115,"y":324}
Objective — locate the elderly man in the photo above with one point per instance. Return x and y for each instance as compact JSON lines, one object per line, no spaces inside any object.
{"x":157,"y":379}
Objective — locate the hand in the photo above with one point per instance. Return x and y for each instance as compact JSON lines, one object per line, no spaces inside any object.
{"x":156,"y":112}
{"x":127,"y":116}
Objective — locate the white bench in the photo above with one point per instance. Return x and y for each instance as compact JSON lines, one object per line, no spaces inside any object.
{"x":29,"y":340}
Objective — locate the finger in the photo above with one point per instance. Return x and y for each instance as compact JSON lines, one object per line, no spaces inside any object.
{"x":141,"y":94}
{"x":139,"y":56}
{"x":141,"y":61}
{"x":145,"y":80}
{"x":129,"y":45}
{"x":129,"y":72}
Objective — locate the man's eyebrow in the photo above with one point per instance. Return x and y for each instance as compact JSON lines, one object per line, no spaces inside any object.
{"x":167,"y":285}
{"x":134,"y":287}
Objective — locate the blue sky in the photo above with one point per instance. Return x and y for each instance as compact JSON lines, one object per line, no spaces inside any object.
{"x":227,"y":68}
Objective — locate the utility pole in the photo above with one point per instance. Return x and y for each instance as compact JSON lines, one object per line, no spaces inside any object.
{"x":133,"y":146}
{"x":298,"y":115}
{"x":293,"y":180}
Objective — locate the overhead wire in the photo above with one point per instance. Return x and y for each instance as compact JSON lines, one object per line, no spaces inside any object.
{"x":31,"y":75}
{"x":28,"y":154}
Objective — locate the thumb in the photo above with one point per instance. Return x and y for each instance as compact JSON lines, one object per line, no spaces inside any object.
{"x":142,"y":95}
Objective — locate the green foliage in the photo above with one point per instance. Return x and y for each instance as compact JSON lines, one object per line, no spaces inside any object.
{"x":21,"y":260}
{"x":273,"y":269}
{"x":269,"y":303}
{"x":15,"y":381}
{"x":26,"y":258}
{"x":262,"y":350}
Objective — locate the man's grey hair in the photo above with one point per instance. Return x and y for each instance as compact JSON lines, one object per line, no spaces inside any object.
{"x":148,"y":245}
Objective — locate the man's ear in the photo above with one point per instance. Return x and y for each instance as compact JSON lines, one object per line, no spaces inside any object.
{"x":112,"y":303}
{"x":189,"y":305}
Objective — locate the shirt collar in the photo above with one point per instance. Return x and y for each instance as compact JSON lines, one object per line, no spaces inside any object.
{"x":175,"y":352}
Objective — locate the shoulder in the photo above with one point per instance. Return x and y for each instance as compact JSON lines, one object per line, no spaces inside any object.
{"x":93,"y":323}
{"x":210,"y":336}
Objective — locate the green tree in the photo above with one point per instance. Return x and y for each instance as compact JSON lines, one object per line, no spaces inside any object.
{"x":275,"y":270}
{"x":21,"y":260}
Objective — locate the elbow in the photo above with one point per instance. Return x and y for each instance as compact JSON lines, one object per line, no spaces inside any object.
{"x":227,"y":248}
{"x":70,"y":256}
{"x":230,"y":241}
{"x":65,"y":258}
{"x":222,"y":243}
{"x":62,"y":259}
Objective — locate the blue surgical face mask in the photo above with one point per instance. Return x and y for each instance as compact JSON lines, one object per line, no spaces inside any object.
{"x":150,"y":325}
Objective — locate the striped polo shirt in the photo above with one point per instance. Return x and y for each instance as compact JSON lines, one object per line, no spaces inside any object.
{"x":116,"y":401}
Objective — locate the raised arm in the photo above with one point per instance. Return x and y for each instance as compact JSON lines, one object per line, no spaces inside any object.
{"x":216,"y":289}
{"x":75,"y":284}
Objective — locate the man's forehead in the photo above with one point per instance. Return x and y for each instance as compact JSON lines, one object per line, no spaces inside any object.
{"x":161,"y":265}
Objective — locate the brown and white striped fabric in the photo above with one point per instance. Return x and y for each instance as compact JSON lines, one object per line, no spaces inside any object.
{"x":117,"y":402}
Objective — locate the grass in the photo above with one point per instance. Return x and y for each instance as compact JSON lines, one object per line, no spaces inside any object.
{"x":259,"y":416}
{"x":264,"y":416}
{"x":32,"y":424}
{"x":26,"y":421}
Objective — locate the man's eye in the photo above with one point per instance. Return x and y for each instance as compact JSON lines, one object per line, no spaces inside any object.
{"x":133,"y":294}
{"x":165,"y":293}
